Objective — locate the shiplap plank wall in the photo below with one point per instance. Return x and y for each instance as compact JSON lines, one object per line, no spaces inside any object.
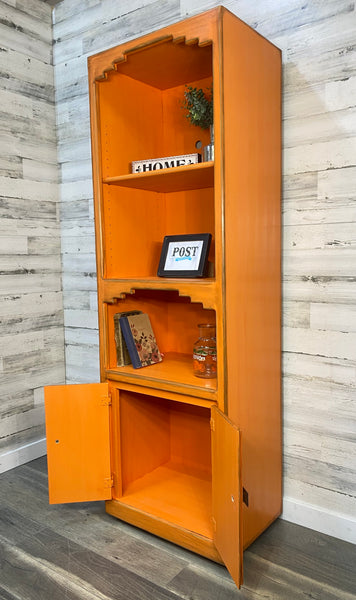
{"x":31,"y":307}
{"x":319,"y":290}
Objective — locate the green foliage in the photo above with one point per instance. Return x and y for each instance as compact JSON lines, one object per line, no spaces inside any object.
{"x":199,"y":106}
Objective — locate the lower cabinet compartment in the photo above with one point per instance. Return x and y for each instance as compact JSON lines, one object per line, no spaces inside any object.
{"x":162,"y":466}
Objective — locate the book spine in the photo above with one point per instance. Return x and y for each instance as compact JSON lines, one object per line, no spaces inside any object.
{"x":122,"y":355}
{"x":126,"y":332}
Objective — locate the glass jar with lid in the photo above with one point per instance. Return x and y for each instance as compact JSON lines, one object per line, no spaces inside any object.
{"x":204,"y":352}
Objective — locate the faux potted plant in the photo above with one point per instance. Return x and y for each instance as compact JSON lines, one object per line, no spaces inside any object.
{"x":199,"y":107}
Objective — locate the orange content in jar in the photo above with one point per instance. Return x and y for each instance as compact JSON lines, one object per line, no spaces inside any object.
{"x":204,"y":352}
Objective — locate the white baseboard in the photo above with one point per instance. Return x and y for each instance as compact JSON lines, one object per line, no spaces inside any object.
{"x":22,"y":454}
{"x":325,"y":521}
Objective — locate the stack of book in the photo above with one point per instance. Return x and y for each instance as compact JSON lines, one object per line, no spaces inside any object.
{"x":135,"y":340}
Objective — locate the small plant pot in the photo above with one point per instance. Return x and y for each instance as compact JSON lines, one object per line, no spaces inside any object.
{"x":208,"y":151}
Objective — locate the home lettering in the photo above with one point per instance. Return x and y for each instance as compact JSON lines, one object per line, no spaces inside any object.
{"x":167,"y":164}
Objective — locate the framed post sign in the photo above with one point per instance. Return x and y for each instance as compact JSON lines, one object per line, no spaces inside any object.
{"x":184,"y":255}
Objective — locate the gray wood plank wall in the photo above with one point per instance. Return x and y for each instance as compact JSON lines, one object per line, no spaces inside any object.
{"x":319,"y":288}
{"x":31,"y":307}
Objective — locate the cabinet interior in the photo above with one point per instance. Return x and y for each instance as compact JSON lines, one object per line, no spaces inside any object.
{"x":163,"y":460}
{"x":140,"y":104}
{"x":136,"y":221}
{"x":141,"y":117}
{"x":174,"y":321}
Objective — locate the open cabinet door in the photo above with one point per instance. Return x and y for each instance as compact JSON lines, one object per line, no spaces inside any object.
{"x":226,"y":474}
{"x":78,"y":442}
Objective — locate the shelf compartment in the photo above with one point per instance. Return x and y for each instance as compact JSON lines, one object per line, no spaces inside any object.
{"x":174,"y":320}
{"x":138,"y":119}
{"x":135,"y":223}
{"x":180,"y":490}
{"x":163,"y":459}
{"x":176,"y":179}
{"x":141,"y":114}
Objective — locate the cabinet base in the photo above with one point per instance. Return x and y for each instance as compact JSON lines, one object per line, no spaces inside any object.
{"x":169,"y":531}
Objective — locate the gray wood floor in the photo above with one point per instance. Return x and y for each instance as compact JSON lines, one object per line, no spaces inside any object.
{"x":78,"y":552}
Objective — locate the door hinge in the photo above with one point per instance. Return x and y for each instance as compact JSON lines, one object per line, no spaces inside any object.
{"x":108,"y":483}
{"x":105,"y":400}
{"x":212,"y":424}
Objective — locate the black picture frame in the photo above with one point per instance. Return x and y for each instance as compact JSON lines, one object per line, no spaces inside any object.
{"x":182,"y":251}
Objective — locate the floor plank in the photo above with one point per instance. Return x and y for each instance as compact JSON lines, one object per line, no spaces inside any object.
{"x":38,"y":562}
{"x":78,"y":552}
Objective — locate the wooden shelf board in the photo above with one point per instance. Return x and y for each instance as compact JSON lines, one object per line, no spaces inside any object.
{"x":191,"y":177}
{"x":175,"y":371}
{"x":174,"y":495}
{"x":161,"y":282}
{"x":174,"y":396}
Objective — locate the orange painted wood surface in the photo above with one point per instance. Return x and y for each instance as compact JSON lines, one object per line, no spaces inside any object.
{"x":78,"y":442}
{"x":227,"y":500}
{"x":174,"y":373}
{"x":176,"y":179}
{"x":199,"y":30}
{"x":174,"y":320}
{"x":160,"y":446}
{"x":162,"y":458}
{"x":175,"y":496}
{"x":165,"y":529}
{"x":252,"y":149}
{"x":241,"y":208}
{"x":176,"y":396}
{"x":159,"y":431}
{"x":134,"y":249}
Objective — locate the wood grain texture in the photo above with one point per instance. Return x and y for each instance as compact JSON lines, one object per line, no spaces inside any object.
{"x":81,"y":553}
{"x":31,"y":313}
{"x":319,"y":219}
{"x":318,"y":212}
{"x":318,"y":208}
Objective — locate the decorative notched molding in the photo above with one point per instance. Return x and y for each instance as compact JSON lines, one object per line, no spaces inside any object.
{"x":123,"y":58}
{"x":117,"y":62}
{"x":113,"y":295}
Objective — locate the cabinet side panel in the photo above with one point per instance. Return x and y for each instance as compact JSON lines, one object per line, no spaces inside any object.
{"x":252,"y":179}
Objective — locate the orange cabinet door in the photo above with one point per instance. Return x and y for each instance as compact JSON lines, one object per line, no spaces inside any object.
{"x":227,"y":496}
{"x":78,"y":442}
